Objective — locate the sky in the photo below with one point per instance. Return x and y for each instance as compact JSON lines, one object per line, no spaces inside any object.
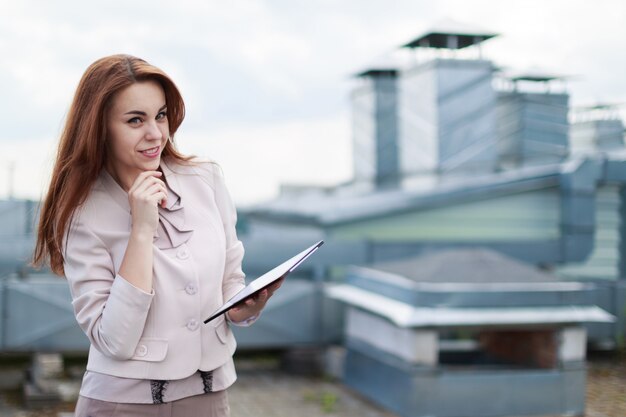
{"x":267,"y":83}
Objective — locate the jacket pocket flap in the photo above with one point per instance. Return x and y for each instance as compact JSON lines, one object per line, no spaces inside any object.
{"x":222,"y":329}
{"x":150,"y":350}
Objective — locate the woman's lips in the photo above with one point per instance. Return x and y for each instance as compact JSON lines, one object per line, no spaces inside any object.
{"x":152,"y":152}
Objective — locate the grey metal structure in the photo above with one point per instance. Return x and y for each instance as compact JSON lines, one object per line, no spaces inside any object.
{"x":439,"y":131}
{"x":451,"y":34}
{"x":37,"y":315}
{"x":375,"y":127}
{"x":478,"y":168}
{"x":17,"y":225}
{"x":433,"y":336}
{"x":532,"y":126}
{"x":596,"y":129}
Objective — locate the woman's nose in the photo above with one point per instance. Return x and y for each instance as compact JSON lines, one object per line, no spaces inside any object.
{"x":153,"y":132}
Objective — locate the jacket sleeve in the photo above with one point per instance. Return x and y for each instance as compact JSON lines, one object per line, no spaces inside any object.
{"x":233,"y":280}
{"x":111,"y":311}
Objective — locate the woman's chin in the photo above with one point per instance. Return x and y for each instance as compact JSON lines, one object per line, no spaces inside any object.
{"x":152,"y":165}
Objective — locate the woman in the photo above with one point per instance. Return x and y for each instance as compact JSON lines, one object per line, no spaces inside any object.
{"x":146,"y":238}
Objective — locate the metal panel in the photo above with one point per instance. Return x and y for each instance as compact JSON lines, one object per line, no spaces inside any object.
{"x":374,"y":130}
{"x":364,"y":131}
{"x":524,"y":216}
{"x":591,"y":136}
{"x":387,"y":150}
{"x":466,"y":124}
{"x":407,"y":315}
{"x":455,"y":295}
{"x":532,"y":128}
{"x":418,"y":118}
{"x":39,"y":316}
{"x":471,"y":392}
{"x":531,"y":251}
{"x":447,"y":117}
{"x":413,"y":346}
{"x":17,"y":222}
{"x":18,"y":217}
{"x":603,"y":262}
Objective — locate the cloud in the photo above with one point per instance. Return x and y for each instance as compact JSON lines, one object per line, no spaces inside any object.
{"x":266,"y":69}
{"x":256,"y":160}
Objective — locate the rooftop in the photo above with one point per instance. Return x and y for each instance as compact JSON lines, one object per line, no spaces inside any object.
{"x":450,"y":34}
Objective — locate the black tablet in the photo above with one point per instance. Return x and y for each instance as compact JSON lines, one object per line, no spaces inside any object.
{"x":266,"y":280}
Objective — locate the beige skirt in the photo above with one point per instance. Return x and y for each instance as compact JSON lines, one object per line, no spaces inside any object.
{"x":213,"y":404}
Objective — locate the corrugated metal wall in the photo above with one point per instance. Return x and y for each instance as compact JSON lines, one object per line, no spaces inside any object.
{"x":467,"y":121}
{"x":17,"y":224}
{"x":532,"y":128}
{"x":593,"y":135}
{"x":447,"y":117}
{"x":603,"y":263}
{"x":524,"y":216}
{"x":364,"y":131}
{"x":374,"y":129}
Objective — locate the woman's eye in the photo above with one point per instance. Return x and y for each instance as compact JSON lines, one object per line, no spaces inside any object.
{"x":135,"y":121}
{"x":161,"y":115}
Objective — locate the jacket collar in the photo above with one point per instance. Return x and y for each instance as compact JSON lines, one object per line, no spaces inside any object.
{"x":172,"y":230}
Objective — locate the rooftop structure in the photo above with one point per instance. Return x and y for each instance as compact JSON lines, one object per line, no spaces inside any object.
{"x":423,"y":342}
{"x":450,"y":34}
{"x":596,"y":129}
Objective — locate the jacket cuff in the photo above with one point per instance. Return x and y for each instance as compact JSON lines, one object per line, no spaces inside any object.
{"x":127,"y":306}
{"x":245,"y":323}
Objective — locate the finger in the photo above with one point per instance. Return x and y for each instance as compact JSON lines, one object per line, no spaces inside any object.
{"x":142,"y":177}
{"x":141,"y":186}
{"x":155,"y":188}
{"x":146,"y":174}
{"x":159,"y":198}
{"x":149,"y":192}
{"x":263,"y":296}
{"x":154,"y":199}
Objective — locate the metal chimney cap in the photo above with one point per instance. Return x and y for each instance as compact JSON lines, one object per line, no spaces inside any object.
{"x":600,"y":106}
{"x":373,"y":72}
{"x":536,"y":74}
{"x":387,"y":64}
{"x":450,"y":34}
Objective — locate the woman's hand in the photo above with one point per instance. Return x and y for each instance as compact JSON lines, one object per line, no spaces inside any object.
{"x":147,"y":191}
{"x":144,"y":196}
{"x":252,"y":307}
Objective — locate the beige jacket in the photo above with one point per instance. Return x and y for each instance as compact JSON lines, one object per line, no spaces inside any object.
{"x":197,"y":265}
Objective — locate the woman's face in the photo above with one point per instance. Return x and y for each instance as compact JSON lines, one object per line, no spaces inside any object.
{"x":137,"y":131}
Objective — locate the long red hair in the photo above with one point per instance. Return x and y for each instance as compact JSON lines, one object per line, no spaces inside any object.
{"x":82,"y":150}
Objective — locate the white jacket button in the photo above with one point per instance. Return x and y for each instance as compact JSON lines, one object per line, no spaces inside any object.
{"x":142,"y":350}
{"x":192,"y":324}
{"x":182,"y":253}
{"x":191,"y":288}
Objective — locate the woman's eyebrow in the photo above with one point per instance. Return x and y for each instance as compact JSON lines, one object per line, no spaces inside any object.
{"x":143,"y":113}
